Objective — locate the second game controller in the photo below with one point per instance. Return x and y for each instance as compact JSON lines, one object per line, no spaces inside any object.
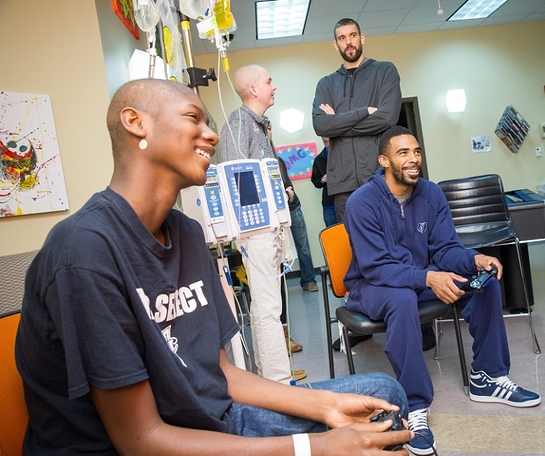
{"x":481,"y":280}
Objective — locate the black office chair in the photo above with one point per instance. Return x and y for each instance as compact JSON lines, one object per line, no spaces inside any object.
{"x":481,"y":218}
{"x":338,"y":254}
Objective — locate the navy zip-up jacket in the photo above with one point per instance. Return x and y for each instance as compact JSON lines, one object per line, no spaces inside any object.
{"x":353,"y":133}
{"x":394,"y":245}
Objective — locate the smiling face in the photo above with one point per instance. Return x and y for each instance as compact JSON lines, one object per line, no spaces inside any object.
{"x":349,"y":42}
{"x":402,"y":164}
{"x":180,"y":139}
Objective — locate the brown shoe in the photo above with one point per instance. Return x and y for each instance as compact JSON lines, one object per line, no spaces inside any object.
{"x":311,"y":287}
{"x":291,"y":345}
{"x":298,"y":374}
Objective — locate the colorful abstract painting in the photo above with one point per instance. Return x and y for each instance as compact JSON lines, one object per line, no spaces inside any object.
{"x":298,"y":158}
{"x":124,"y":11}
{"x":31,"y":177}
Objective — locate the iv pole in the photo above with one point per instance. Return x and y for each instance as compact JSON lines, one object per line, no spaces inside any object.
{"x":223,"y":263}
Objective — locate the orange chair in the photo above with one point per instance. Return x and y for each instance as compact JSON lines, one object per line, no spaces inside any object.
{"x":338,"y":254}
{"x":13,"y":411}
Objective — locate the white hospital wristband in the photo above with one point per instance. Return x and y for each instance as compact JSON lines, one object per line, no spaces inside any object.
{"x":301,"y":444}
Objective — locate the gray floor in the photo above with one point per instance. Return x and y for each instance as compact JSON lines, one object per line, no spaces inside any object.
{"x":461,"y":427}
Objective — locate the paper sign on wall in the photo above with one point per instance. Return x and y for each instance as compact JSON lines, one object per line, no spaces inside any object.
{"x":298,"y":158}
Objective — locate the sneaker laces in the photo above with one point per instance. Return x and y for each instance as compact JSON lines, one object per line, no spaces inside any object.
{"x":418,"y":420}
{"x":506,"y":383}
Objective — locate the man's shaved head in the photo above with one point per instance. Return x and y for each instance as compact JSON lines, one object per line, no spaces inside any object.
{"x":245,"y":77}
{"x":146,"y":95}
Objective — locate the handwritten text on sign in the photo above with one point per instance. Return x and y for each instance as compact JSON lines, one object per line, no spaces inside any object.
{"x":298,"y":159}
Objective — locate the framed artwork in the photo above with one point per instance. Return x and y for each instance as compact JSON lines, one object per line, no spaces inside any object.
{"x":31,"y":175}
{"x":124,"y":11}
{"x":298,"y":158}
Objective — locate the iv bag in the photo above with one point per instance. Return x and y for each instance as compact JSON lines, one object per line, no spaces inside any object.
{"x":194,"y":8}
{"x":172,"y":40}
{"x":146,"y":15}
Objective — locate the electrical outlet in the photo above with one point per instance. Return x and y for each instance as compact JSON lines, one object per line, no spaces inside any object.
{"x":539,"y":152}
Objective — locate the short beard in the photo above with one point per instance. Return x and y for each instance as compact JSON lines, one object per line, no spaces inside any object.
{"x":400,"y":179}
{"x":355,"y":57}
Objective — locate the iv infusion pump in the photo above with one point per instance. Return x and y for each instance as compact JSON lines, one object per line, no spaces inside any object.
{"x":240,"y":198}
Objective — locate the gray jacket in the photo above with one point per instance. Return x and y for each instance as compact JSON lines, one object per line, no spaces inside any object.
{"x":247,"y":136}
{"x":353,"y":133}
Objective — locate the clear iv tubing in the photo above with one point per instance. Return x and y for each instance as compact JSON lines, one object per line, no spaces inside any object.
{"x":235,"y":142}
{"x":223,"y":58}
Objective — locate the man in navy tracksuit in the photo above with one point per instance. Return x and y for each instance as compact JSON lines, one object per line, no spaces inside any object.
{"x":406,"y":250}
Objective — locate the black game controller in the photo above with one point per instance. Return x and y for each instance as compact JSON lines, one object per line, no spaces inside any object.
{"x":481,"y":280}
{"x":397,"y":425}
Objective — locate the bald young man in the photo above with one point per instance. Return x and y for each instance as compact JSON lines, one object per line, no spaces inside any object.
{"x":244,"y":135}
{"x":124,"y":320}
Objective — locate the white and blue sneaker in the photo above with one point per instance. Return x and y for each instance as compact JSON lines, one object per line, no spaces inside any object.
{"x":483,"y":388}
{"x":423,"y":442}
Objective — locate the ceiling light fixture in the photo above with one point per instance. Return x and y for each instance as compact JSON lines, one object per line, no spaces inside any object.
{"x":280,"y":18}
{"x":476,"y":9}
{"x":439,"y":10}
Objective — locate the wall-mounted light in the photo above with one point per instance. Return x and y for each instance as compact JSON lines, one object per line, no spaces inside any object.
{"x":456,"y":100}
{"x":291,"y":120}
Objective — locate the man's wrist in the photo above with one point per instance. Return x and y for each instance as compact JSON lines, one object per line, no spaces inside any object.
{"x":301,"y":444}
{"x":428,"y":281}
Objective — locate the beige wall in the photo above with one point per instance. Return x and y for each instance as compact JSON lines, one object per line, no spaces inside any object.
{"x":54,"y":48}
{"x":78,"y":57}
{"x":497,"y":66}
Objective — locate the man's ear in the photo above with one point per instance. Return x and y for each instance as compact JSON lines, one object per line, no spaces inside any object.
{"x":335,"y":45}
{"x":383,"y":161}
{"x":362,"y":36}
{"x":133,"y":122}
{"x":252,"y":90}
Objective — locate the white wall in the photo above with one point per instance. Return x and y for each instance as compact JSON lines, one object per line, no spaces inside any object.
{"x":497,"y":66}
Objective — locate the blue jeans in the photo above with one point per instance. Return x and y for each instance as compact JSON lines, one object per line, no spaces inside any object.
{"x":256,"y":422}
{"x":330,"y":218}
{"x":300,"y":237}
